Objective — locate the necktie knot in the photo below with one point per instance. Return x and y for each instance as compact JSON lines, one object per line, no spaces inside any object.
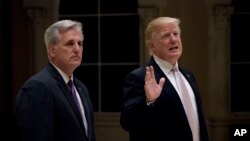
{"x":175,"y":69}
{"x":72,"y":89}
{"x":70,"y":84}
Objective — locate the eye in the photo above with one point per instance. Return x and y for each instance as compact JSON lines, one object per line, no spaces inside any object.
{"x":166,"y":35}
{"x":80,"y":43}
{"x":69,"y":44}
{"x":72,"y":43}
{"x":176,"y":34}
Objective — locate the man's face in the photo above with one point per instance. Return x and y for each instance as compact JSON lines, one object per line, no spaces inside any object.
{"x":166,"y":43}
{"x":67,"y":52}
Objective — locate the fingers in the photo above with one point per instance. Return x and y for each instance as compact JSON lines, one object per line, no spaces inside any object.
{"x":148,"y":75}
{"x":152,"y":72}
{"x":162,"y":81}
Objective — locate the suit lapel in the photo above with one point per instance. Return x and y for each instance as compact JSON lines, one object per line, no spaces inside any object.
{"x":66,"y":93}
{"x":191,"y":81}
{"x":168,"y":89}
{"x":82,"y":94}
{"x":170,"y":92}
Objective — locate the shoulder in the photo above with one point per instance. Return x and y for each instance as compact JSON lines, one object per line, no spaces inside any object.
{"x":138,"y":72}
{"x":41,"y":77}
{"x":38,"y":82}
{"x":36,"y":87}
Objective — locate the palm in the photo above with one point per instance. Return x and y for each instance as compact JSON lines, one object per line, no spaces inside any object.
{"x":151,"y":87}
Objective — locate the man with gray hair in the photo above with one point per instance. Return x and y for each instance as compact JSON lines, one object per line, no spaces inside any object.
{"x":53,"y":105}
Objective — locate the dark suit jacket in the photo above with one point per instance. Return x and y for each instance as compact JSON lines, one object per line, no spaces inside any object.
{"x":46,"y":112}
{"x":165,"y":119}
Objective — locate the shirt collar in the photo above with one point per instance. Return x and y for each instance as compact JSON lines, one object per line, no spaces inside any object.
{"x":64,"y":76}
{"x":164,"y":64}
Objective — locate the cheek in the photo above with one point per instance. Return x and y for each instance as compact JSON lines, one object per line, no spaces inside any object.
{"x":161,"y":46}
{"x":81,"y":51}
{"x":51,"y":53}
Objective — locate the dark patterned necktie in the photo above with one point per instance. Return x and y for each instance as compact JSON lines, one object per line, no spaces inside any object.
{"x":73,"y":92}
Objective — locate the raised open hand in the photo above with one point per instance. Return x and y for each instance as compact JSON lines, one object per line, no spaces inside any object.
{"x":151,"y":87}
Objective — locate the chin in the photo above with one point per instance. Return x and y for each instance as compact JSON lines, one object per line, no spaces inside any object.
{"x":75,"y":65}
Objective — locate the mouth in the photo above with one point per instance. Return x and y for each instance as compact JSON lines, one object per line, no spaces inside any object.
{"x":173,"y":48}
{"x":76,"y":58}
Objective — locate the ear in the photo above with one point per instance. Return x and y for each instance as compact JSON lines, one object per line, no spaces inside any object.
{"x":51,"y":51}
{"x":151,"y":47}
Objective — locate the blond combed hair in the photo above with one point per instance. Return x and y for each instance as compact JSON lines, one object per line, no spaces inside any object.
{"x":154,"y":25}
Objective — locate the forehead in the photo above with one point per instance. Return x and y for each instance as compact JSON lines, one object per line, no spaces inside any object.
{"x":168,"y":27}
{"x":71,"y":34}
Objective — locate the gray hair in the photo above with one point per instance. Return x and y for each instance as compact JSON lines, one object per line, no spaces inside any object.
{"x":52,"y":33}
{"x":155,"y":24}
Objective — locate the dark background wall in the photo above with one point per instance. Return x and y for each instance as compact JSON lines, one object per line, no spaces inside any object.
{"x":14,"y":63}
{"x":16,"y":67}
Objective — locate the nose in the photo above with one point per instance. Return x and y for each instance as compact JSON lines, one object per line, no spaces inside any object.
{"x":77,"y":46}
{"x":173,"y":38}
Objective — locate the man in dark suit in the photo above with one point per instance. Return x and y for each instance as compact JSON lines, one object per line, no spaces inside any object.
{"x":161,"y":100}
{"x":47,"y":108}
